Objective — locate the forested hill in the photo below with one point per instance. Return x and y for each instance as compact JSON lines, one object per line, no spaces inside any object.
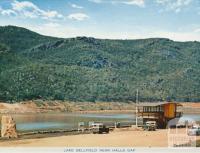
{"x":33,"y":66}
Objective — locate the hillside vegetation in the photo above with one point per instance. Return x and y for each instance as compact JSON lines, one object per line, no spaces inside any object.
{"x":88,"y":69}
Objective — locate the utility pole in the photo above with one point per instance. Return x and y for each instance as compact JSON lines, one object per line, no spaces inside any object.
{"x":136,"y":107}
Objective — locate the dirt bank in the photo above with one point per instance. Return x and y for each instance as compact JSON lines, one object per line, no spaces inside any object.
{"x":191,"y":108}
{"x":40,"y":106}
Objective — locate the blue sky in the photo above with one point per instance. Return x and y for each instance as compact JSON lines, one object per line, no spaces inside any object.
{"x":114,"y":19}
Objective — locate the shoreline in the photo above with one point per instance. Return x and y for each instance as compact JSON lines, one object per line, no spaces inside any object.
{"x":32,"y":107}
{"x":59,"y":106}
{"x":75,"y":112}
{"x":53,"y":137}
{"x":89,"y":112}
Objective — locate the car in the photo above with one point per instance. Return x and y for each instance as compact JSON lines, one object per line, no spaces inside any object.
{"x":195,"y":130}
{"x":99,"y":128}
{"x":150,"y":126}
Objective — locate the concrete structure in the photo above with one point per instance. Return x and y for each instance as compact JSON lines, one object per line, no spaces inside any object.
{"x":161,"y":112}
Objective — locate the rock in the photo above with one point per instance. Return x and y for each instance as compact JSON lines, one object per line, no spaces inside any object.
{"x":8,"y":127}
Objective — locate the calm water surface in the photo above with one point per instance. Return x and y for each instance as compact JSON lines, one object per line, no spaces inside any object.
{"x":57,"y":121}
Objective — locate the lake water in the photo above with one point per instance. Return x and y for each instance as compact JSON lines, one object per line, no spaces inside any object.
{"x":64,"y":121}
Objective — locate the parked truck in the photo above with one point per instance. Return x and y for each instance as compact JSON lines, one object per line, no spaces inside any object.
{"x":99,"y":128}
{"x":150,"y":126}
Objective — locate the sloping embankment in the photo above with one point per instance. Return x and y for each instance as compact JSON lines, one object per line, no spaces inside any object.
{"x":191,"y":108}
{"x":39,"y":106}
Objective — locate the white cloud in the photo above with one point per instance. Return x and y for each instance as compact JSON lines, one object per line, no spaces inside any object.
{"x":8,"y":12}
{"x":27,"y":9}
{"x":20,"y":6}
{"x":174,"y":5}
{"x":140,"y":3}
{"x":51,"y":14}
{"x":76,"y":6}
{"x":78,"y":16}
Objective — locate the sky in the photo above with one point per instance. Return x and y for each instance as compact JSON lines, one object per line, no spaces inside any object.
{"x":112,"y":19}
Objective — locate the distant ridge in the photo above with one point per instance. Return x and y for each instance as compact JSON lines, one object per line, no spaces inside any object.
{"x":34,"y":66}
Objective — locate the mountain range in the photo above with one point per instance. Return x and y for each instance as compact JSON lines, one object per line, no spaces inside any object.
{"x":33,"y":66}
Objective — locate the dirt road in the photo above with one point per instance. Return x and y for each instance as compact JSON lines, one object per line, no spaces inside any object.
{"x":114,"y":139}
